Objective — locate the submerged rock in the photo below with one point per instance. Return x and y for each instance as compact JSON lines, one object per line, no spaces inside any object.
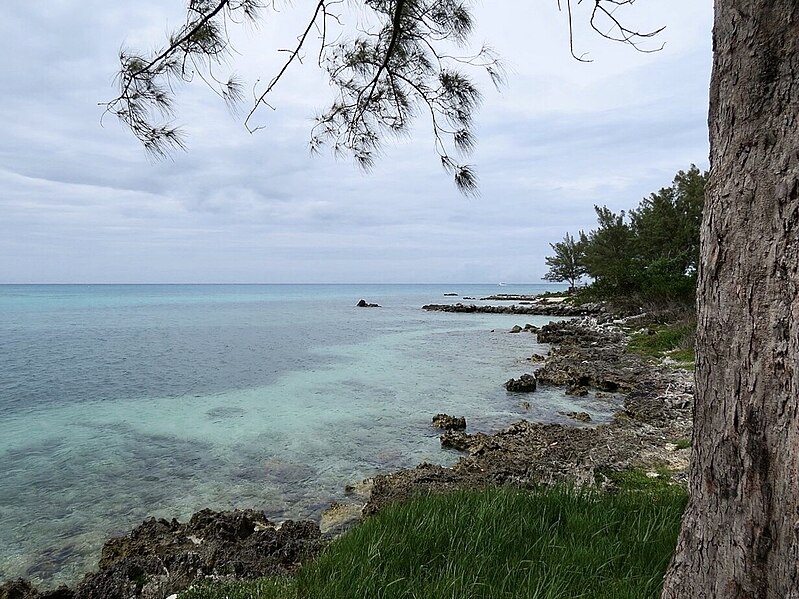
{"x":579,"y":416}
{"x":577,"y":390}
{"x":528,"y":328}
{"x":524,"y":384}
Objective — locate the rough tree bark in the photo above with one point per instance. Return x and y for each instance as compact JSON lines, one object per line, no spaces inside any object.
{"x":740,"y":534}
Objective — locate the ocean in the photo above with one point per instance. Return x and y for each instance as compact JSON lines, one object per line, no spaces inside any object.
{"x":120,"y":402}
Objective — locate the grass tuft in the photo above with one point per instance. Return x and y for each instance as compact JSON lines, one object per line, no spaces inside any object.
{"x":674,"y":340}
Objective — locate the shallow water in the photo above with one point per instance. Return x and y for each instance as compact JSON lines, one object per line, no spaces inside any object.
{"x":121,"y":402}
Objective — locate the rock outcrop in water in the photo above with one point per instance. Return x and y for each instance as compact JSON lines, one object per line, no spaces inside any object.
{"x":524,"y":384}
{"x":159,"y":557}
{"x":364,"y":304}
{"x":541,"y":308}
{"x":449,"y":423}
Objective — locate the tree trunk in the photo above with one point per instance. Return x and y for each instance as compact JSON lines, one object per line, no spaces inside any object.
{"x":740,"y":534}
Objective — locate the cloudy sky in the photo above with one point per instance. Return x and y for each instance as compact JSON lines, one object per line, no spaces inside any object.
{"x":81,"y":201}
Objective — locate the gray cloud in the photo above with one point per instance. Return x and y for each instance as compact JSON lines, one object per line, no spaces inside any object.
{"x":80,"y":202}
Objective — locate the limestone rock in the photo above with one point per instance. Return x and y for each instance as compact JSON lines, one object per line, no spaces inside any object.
{"x":449,"y":423}
{"x":339,"y":517}
{"x":364,"y":304}
{"x":524,"y":384}
{"x":579,"y":416}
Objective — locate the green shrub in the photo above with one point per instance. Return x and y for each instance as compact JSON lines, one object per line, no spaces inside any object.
{"x":675,"y":339}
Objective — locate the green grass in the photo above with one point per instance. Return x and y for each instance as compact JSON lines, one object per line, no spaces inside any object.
{"x":683,"y":443}
{"x":264,"y":588}
{"x":682,"y":355}
{"x":674,"y":340}
{"x":494,"y":544}
{"x":637,"y":479}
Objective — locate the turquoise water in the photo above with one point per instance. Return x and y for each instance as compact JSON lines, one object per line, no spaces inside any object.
{"x":121,"y":402}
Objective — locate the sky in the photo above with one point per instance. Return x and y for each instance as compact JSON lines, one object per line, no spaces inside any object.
{"x":81,"y":202}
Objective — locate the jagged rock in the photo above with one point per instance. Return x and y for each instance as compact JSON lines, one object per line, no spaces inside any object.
{"x":59,"y":593}
{"x":580,"y":416}
{"x":537,"y":358}
{"x":160,"y":558}
{"x":577,"y":390}
{"x":516,"y":329}
{"x":607,"y":369}
{"x":23,"y":589}
{"x":17,"y":589}
{"x":532,"y":308}
{"x":524,"y":384}
{"x":450,"y":423}
{"x":589,"y":356}
{"x":364,"y":304}
{"x":474,"y":444}
{"x":578,"y":333}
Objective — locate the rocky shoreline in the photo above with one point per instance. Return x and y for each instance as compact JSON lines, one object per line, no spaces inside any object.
{"x":159,"y":558}
{"x":657,"y":413}
{"x":533,"y":308}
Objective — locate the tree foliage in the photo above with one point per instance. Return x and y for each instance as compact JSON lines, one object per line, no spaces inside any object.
{"x":415,"y":61}
{"x":567,"y":263}
{"x":608,"y":252}
{"x":667,"y":223}
{"x":650,"y":251}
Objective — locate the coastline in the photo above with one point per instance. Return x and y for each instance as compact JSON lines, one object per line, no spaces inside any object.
{"x":589,"y":354}
{"x":586,"y":354}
